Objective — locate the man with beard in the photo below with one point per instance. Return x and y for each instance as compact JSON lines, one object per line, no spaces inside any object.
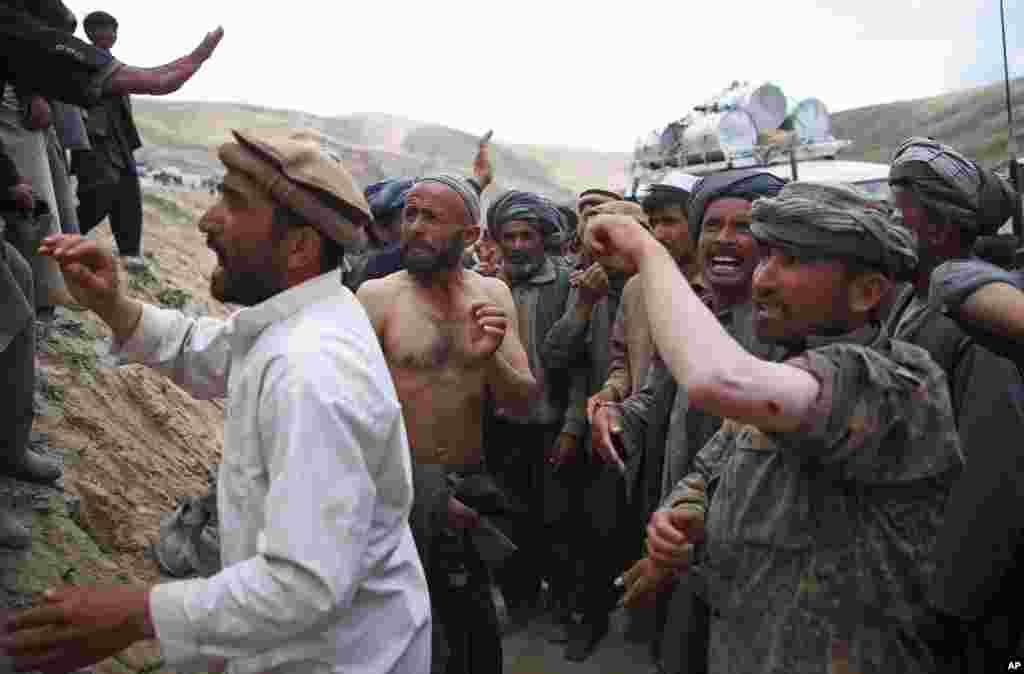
{"x":656,"y":429}
{"x":948,"y":201}
{"x":826,"y":487}
{"x":522,"y":225}
{"x":384,"y":256}
{"x":450,"y":337}
{"x":314,"y":492}
{"x":580,"y":342}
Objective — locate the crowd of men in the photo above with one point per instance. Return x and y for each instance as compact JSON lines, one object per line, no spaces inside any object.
{"x":777,"y":422}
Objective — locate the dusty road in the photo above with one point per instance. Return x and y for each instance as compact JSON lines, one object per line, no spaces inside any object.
{"x":528,"y":652}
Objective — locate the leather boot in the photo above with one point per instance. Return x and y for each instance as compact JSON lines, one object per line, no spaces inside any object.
{"x":13,"y":533}
{"x":31,"y":467}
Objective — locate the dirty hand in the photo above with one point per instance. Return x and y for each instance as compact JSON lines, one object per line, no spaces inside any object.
{"x":23,"y":195}
{"x":619,"y":235}
{"x":77,"y":627}
{"x":489,"y":324}
{"x":591,"y":284}
{"x":482,"y":169}
{"x":643,"y":581}
{"x":605,"y":395}
{"x":563,"y":450}
{"x":671,"y":535}
{"x":38,"y":114}
{"x":607,"y":423}
{"x":461,"y":516}
{"x":90,"y":270}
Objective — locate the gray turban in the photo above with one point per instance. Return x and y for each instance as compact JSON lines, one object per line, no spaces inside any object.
{"x":461,"y":186}
{"x":532,"y":208}
{"x":948,"y":183}
{"x":834,"y":221}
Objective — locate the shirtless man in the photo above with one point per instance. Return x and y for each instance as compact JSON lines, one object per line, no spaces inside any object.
{"x":450,"y":337}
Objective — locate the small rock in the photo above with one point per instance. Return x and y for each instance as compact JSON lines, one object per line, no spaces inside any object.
{"x":74,"y":507}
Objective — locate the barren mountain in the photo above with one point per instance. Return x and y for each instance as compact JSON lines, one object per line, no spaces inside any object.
{"x":972,"y":120}
{"x":374,"y":146}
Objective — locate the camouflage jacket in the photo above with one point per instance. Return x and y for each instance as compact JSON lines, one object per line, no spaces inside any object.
{"x":821,"y":538}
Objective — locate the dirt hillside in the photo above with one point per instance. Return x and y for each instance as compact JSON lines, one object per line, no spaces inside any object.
{"x":131,"y":441}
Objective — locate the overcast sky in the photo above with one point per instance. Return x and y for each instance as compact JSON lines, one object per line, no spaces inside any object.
{"x":585,"y":74}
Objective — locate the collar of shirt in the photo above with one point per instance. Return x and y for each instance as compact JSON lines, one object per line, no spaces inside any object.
{"x":249,"y":322}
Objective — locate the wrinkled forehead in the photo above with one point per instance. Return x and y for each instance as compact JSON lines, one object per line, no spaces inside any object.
{"x":440,"y":198}
{"x":727,"y":207}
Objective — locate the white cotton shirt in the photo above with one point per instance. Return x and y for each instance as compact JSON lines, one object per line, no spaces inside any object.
{"x":315,"y":486}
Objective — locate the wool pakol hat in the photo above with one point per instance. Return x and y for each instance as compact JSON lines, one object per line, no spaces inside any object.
{"x":291,"y":166}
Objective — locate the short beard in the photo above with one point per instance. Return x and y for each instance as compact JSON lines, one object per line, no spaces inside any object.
{"x":426,"y":267}
{"x":245,"y":289}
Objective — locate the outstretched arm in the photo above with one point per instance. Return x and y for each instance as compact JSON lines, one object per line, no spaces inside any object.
{"x":733,"y":384}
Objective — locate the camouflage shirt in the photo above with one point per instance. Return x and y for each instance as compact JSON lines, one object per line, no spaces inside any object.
{"x":822,"y":537}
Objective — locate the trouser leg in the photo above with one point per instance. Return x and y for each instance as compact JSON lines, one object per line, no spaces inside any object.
{"x":18,"y":364}
{"x":126,"y":216}
{"x":93,"y":206}
{"x":65,"y":196}
{"x":685,"y":641}
{"x":516,"y":462}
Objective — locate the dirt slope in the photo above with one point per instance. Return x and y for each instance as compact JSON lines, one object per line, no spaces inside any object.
{"x":131,"y":440}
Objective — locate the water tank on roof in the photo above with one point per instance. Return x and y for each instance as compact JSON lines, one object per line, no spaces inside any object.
{"x":811,"y":121}
{"x":765,"y":103}
{"x":719,"y":136}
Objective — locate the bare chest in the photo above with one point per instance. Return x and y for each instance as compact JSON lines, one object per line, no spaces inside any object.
{"x":421,"y":337}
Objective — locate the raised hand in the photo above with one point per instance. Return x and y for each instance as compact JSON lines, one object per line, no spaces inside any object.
{"x":591,"y":284}
{"x":618,"y":235}
{"x":90,"y":270}
{"x":483,"y":171}
{"x":488,"y":326}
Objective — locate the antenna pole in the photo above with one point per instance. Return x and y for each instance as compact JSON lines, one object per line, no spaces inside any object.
{"x":1011,"y":139}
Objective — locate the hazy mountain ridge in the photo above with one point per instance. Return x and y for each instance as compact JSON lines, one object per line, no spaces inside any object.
{"x":374,"y":146}
{"x":379,"y":145}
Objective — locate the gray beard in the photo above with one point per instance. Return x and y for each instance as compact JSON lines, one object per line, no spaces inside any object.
{"x":522,"y":270}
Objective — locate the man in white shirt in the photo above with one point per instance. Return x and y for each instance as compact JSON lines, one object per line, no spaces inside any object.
{"x":314,"y":491}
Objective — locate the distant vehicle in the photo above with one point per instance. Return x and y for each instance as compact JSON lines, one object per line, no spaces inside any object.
{"x":748,"y":126}
{"x":868,"y":176}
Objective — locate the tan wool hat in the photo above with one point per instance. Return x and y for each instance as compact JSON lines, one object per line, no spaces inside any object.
{"x":290,"y":165}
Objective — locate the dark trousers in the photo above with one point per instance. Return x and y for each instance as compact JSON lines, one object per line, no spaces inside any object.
{"x":684,"y":644}
{"x":122,"y":201}
{"x":605,"y":538}
{"x":515,"y":456}
{"x":460,"y":588}
{"x":17,"y":362}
